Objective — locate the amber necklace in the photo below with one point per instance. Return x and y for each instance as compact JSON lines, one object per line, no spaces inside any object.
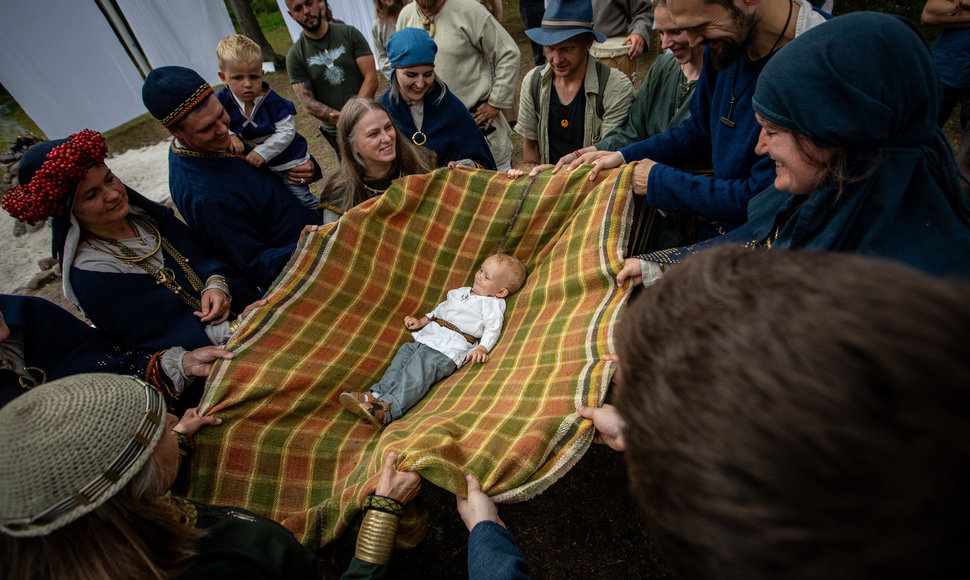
{"x":428,"y":21}
{"x":164,"y":276}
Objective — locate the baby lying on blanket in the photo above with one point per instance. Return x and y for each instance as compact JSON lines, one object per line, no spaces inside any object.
{"x":463,"y":328}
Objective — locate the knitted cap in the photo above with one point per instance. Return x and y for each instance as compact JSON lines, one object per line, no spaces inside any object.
{"x":172,"y":92}
{"x":70,"y":445}
{"x":411,"y":47}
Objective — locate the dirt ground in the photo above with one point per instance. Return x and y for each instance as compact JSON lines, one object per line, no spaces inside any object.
{"x":587,"y":525}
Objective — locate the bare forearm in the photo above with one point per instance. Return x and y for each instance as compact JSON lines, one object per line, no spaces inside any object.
{"x":310,"y":105}
{"x":946,"y":13}
{"x":368,"y":88}
{"x":530,"y":151}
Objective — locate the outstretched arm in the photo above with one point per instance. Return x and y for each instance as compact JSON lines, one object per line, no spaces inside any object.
{"x":492,"y":552}
{"x":946,"y":14}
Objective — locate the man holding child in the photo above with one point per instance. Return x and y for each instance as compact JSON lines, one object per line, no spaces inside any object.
{"x":245,"y":212}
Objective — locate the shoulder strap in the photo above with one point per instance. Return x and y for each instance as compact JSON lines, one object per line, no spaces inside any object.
{"x":603,"y":76}
{"x":534,"y":90}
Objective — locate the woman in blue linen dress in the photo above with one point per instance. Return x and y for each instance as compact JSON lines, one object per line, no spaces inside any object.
{"x":881,"y":178}
{"x":127,"y":262}
{"x":424,"y":109}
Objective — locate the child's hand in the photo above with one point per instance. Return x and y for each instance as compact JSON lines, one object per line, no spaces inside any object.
{"x":478,"y":355}
{"x":255,"y":159}
{"x":236,"y":145}
{"x":412,"y":323}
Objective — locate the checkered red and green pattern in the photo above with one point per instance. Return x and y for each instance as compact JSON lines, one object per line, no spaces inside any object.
{"x":287,"y":449}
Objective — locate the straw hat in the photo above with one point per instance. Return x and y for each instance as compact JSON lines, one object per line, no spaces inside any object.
{"x":70,"y":445}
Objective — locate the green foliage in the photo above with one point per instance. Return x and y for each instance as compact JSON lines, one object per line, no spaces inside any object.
{"x":270,"y":20}
{"x":267,"y":14}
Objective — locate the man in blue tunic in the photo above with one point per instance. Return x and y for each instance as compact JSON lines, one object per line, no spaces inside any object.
{"x":246,"y":212}
{"x":741,"y":36}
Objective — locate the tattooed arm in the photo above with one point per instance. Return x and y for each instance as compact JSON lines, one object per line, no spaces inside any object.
{"x":304,"y":91}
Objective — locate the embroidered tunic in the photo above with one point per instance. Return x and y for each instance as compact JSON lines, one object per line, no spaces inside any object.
{"x":245,"y":213}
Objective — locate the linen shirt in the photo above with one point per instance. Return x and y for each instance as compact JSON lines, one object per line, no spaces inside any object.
{"x":470,"y":41}
{"x":381,"y":32}
{"x":480,"y":316}
{"x":617,"y":99}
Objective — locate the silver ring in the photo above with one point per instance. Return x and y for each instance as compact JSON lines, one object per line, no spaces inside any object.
{"x":302,"y":180}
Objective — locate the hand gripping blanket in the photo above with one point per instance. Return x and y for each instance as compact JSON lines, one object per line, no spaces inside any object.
{"x":286,"y":448}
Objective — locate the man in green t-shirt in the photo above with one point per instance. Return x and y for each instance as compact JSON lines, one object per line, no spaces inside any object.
{"x":328,"y":64}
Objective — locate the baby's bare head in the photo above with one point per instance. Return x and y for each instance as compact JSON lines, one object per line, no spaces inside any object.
{"x":511,"y":270}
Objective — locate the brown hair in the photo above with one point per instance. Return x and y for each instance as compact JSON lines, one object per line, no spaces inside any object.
{"x":410,"y":159}
{"x":800,"y":415}
{"x":237,"y":48}
{"x":835,"y":168}
{"x":135,"y":534}
{"x":388,"y":12}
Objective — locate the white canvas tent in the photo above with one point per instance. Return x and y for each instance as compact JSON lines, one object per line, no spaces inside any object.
{"x":358,"y":13}
{"x":68,"y":70}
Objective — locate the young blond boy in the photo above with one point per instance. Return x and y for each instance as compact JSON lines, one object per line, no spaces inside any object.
{"x":465,"y":327}
{"x":263,"y":124}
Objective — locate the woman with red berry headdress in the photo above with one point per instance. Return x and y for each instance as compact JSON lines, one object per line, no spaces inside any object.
{"x":127,"y":262}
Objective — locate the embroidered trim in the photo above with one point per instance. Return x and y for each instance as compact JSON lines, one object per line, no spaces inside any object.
{"x":384,"y":504}
{"x":187,"y":105}
{"x":191,"y":153}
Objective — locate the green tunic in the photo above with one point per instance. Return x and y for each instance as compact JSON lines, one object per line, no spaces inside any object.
{"x":659,"y":105}
{"x":240,"y":545}
{"x":330,"y":64}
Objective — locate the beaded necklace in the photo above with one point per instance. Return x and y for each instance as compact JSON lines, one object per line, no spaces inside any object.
{"x":164,"y":276}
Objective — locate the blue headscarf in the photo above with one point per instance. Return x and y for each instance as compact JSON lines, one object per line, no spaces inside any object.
{"x":866,"y":82}
{"x":410,"y":47}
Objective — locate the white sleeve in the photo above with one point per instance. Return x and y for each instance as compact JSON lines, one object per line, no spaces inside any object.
{"x":279,"y":140}
{"x":493,"y":313}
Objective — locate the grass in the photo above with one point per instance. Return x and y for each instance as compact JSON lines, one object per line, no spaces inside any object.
{"x":14,"y":122}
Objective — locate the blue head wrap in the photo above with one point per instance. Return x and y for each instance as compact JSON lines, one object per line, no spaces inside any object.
{"x":866,"y":82}
{"x":410,"y":47}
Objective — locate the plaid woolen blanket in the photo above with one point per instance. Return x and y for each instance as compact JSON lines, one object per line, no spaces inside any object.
{"x":286,"y":448}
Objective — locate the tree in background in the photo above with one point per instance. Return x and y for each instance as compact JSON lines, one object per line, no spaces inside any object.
{"x":246,"y":18}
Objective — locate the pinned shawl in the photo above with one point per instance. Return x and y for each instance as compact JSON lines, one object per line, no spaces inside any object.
{"x":450,"y":129}
{"x":879,"y":100}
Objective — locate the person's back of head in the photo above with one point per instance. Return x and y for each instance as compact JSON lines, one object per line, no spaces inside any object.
{"x":80,"y":483}
{"x":800,"y":415}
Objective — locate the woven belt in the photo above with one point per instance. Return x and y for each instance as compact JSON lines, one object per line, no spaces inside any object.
{"x":445,"y":324}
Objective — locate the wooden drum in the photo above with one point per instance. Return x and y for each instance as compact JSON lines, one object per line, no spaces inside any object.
{"x":613,"y":53}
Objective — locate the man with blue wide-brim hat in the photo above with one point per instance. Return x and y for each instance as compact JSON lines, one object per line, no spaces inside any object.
{"x":573,"y":100}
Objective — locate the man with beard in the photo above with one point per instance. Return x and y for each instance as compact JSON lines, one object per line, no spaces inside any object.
{"x":477,"y":59}
{"x":741,"y":36}
{"x":574,"y":100}
{"x":328,"y":64}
